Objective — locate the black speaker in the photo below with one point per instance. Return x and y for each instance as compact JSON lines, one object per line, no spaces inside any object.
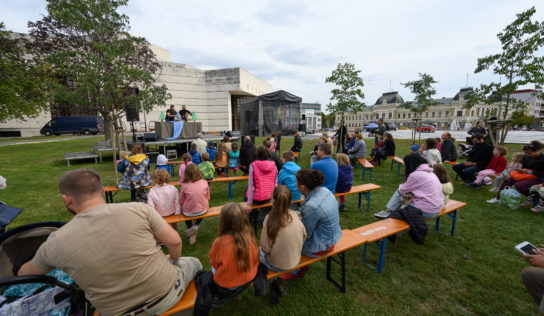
{"x":302,"y":127}
{"x":303,"y":117}
{"x":132,"y":113}
{"x":150,"y":137}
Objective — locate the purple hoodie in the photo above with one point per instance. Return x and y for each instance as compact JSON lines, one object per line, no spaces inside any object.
{"x":426,"y":188}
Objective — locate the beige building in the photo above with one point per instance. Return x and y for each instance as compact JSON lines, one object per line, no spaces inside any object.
{"x":212,"y":95}
{"x":447,"y":114}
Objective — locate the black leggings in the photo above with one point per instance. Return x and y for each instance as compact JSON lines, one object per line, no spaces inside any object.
{"x":189,"y":224}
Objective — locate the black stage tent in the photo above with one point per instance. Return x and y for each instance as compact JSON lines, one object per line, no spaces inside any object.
{"x":272,"y":112}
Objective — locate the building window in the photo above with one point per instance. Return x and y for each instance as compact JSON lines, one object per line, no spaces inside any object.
{"x":472,"y":113}
{"x":432,"y":114}
{"x":390,"y":115}
{"x":439,"y":114}
{"x":409,"y":115}
{"x":398,"y":115}
{"x":403,"y":115}
{"x":459,"y":113}
{"x":426,"y":114}
{"x":383,"y":115}
{"x":447,"y":113}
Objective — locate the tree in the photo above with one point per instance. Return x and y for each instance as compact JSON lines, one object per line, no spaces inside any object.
{"x":327,"y":120}
{"x":423,"y":91}
{"x":348,"y":93}
{"x":520,"y":118}
{"x":517,"y":63}
{"x":22,"y":79}
{"x":106,"y":68}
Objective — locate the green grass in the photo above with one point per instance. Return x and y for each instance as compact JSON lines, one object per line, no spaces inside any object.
{"x":476,"y":272}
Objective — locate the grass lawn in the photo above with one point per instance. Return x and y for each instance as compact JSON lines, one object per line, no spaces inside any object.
{"x":475,"y":272}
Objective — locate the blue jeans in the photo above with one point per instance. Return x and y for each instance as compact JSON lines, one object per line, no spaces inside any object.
{"x":466,"y":173}
{"x":394,"y":201}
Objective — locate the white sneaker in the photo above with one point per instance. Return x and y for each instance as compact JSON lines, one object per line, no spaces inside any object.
{"x":191,"y":231}
{"x":493,"y":200}
{"x":494,"y":189}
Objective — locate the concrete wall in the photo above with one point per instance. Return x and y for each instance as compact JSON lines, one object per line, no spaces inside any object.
{"x":28,"y":128}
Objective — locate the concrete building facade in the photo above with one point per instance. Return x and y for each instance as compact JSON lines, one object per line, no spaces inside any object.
{"x":212,"y":95}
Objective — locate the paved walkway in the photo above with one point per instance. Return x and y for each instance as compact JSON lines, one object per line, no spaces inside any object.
{"x":513,"y":137}
{"x":46,"y":140}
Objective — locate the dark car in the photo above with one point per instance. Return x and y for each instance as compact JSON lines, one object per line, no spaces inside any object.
{"x":73,"y":125}
{"x":426,"y":128}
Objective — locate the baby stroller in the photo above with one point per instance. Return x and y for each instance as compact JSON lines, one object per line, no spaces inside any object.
{"x":34,"y":294}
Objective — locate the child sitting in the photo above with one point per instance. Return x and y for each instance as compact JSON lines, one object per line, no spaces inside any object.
{"x":221,"y":159}
{"x":211,"y":149}
{"x":287,"y":173}
{"x":447,"y":187}
{"x":431,"y":153}
{"x":121,"y":161}
{"x":345,"y":178}
{"x":161,"y":162}
{"x":515,"y":164}
{"x":234,"y":254}
{"x":186,"y":160}
{"x":163,"y":197}
{"x":494,"y":168}
{"x":233,"y":163}
{"x":194,"y":197}
{"x":206,"y":168}
{"x":282,"y":238}
{"x":195,"y":155}
{"x":377,"y":147}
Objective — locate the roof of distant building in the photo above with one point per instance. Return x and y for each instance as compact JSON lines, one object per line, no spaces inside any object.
{"x":390,"y":98}
{"x":464,"y":92}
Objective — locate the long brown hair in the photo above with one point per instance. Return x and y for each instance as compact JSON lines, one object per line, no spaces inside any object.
{"x":191,"y":174}
{"x":234,"y":221}
{"x":279,"y":215}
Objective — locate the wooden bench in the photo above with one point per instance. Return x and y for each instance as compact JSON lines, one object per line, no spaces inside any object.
{"x":366,"y":166}
{"x":348,"y":241}
{"x":376,"y":233}
{"x":362,"y":190}
{"x":109,"y":190}
{"x":398,"y":161}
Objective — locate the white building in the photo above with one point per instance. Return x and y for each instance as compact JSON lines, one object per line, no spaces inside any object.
{"x":213,"y":95}
{"x":313,"y":120}
{"x":534,"y":100}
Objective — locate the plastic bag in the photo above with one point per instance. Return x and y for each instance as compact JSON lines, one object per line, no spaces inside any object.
{"x":510,"y":198}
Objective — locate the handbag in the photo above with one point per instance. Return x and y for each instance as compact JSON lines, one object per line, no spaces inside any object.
{"x":518,"y":176}
{"x":510,"y":198}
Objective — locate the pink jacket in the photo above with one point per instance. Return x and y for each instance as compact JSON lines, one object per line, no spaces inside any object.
{"x":426,"y":188}
{"x":261,"y":181}
{"x":164,"y":199}
{"x":182,"y":170}
{"x":194,"y":196}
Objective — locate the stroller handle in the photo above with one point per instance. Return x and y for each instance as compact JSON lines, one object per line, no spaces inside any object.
{"x":24,"y":279}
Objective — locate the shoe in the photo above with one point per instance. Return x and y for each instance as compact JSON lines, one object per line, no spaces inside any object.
{"x":527,"y":203}
{"x":274,"y":293}
{"x":469,"y":184}
{"x":191,"y":231}
{"x":192,"y":239}
{"x":383,"y":214}
{"x":476,"y":186}
{"x":538,"y":209}
{"x":494,"y":189}
{"x":282,"y":289}
{"x":290,"y":276}
{"x":342,"y":207}
{"x":493,"y":200}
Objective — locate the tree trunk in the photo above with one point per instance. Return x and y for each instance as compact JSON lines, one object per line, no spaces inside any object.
{"x":114,"y":154}
{"x":108,"y":128}
{"x":123,"y":139}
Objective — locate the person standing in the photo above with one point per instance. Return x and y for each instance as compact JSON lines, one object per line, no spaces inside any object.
{"x":297,"y":146}
{"x":171,"y":114}
{"x":200,"y":144}
{"x":341,"y":137}
{"x":184,"y":112}
{"x":128,"y":271}
{"x":379,"y":131}
{"x":247,"y":154}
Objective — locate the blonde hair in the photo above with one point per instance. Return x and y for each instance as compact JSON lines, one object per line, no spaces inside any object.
{"x":342,"y":159}
{"x":518,"y":157}
{"x":123,"y":154}
{"x":160,"y":176}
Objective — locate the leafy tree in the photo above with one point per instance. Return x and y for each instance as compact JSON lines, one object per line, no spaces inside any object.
{"x":327,"y":120}
{"x":423,"y":91}
{"x":22,"y":79}
{"x":88,"y":44}
{"x":346,"y":97}
{"x":520,"y":118}
{"x":518,"y":63}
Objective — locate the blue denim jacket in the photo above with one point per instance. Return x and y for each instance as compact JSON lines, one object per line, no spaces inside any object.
{"x":321,"y":220}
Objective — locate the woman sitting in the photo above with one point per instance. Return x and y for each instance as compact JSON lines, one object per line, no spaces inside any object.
{"x":422,"y":183}
{"x":358,"y":150}
{"x":320,"y":217}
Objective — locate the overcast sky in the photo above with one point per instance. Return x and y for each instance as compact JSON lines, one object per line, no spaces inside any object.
{"x":294,"y":45}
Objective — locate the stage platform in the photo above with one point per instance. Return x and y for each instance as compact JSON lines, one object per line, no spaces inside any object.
{"x":164,"y":143}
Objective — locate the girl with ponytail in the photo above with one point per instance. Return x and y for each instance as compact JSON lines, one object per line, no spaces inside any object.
{"x":282,"y":238}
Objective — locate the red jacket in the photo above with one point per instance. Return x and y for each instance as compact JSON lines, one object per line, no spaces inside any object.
{"x":497,"y":163}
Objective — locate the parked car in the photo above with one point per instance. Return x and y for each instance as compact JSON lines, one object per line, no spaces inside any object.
{"x":426,"y":128}
{"x":85,"y":125}
{"x":389,"y":126}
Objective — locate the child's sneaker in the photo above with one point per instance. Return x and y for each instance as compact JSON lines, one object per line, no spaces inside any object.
{"x":538,"y":209}
{"x":493,"y":200}
{"x":527,"y":203}
{"x":191,"y":231}
{"x":494,"y":189}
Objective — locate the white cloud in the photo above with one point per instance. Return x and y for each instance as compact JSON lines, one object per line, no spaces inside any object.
{"x":295,"y":45}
